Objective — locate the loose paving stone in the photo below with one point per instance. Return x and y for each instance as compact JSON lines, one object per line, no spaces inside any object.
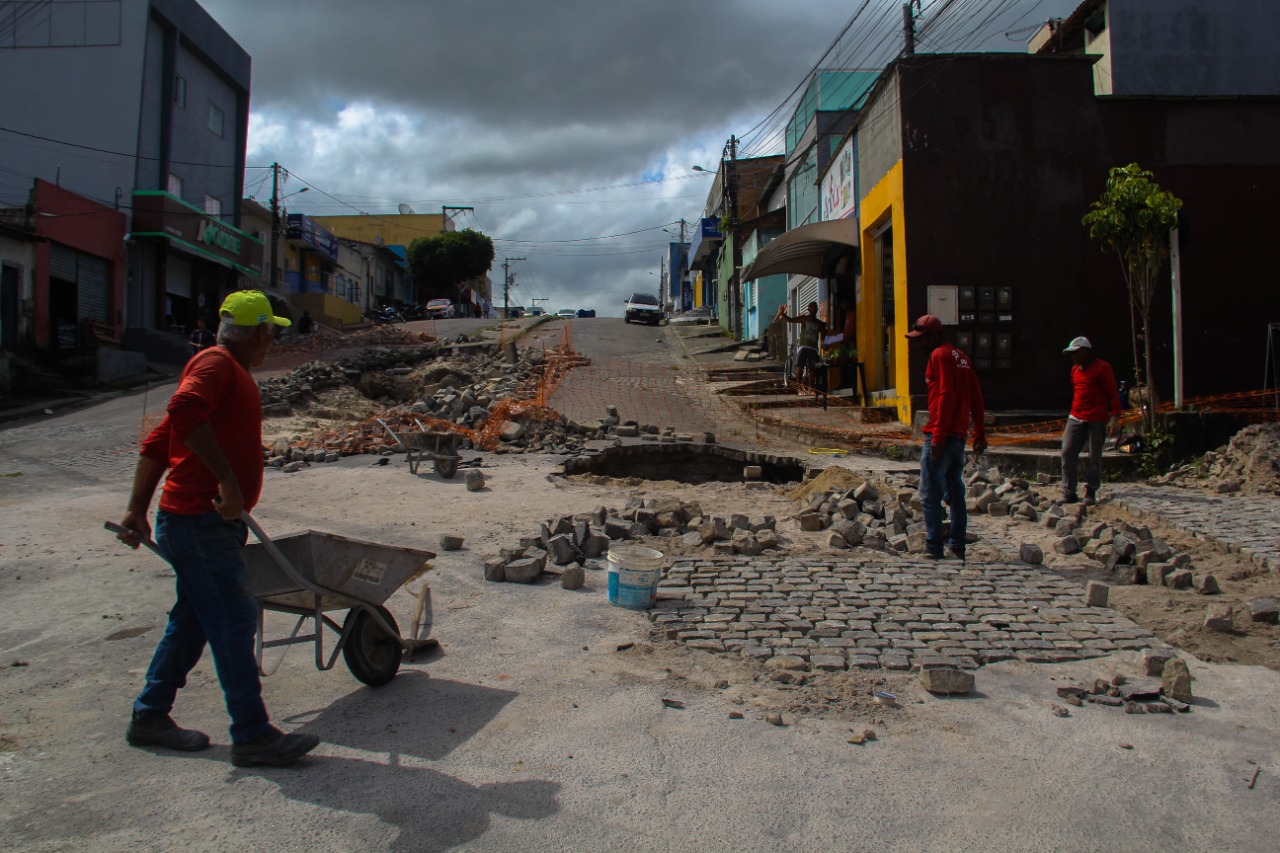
{"x":1176,"y":680}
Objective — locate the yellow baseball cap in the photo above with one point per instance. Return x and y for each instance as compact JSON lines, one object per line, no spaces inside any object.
{"x":250,"y":308}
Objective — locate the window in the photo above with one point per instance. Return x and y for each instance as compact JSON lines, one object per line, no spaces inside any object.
{"x":174,"y":187}
{"x":180,"y":91}
{"x":216,"y":119}
{"x":212,"y":205}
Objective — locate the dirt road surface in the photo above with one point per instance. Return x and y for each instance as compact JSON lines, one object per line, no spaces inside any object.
{"x":540,"y":725}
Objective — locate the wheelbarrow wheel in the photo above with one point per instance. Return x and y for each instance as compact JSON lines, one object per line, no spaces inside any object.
{"x":447,"y":466}
{"x":372,"y":656}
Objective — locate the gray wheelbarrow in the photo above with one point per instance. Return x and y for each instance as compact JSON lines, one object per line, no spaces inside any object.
{"x":440,"y":446}
{"x":311,"y":574}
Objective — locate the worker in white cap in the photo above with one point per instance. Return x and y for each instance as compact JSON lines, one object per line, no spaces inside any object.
{"x":1095,"y":414}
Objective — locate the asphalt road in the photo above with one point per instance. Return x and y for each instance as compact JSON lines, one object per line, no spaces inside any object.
{"x":538,"y":727}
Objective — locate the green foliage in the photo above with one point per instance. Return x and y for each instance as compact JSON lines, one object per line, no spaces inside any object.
{"x":895,"y":453}
{"x":1132,"y":219}
{"x":1157,"y":445}
{"x":443,"y":262}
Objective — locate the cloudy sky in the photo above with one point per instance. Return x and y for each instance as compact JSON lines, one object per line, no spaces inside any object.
{"x":562,"y":122}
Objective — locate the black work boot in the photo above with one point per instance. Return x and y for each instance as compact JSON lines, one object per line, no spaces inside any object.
{"x":152,"y":728}
{"x":273,"y":749}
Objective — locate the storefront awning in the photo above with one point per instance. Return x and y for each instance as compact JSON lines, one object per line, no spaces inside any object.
{"x":804,"y":250}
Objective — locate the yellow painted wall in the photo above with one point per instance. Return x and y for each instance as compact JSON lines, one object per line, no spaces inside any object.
{"x":697,"y":290}
{"x":395,"y":229}
{"x":327,"y":310}
{"x":884,"y":201}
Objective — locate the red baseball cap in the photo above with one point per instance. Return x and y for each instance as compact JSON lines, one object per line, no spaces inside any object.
{"x":927,"y":323}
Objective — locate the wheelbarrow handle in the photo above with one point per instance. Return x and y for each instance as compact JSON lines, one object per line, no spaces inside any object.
{"x":120,"y":529}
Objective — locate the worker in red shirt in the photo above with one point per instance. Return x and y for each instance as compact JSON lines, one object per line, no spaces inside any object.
{"x":210,"y":441}
{"x":1095,"y":414}
{"x":955,"y":400}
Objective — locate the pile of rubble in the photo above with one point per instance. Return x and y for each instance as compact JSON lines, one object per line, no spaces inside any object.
{"x":1249,"y":463}
{"x":861,"y":517}
{"x":568,"y":542}
{"x":1167,"y":688}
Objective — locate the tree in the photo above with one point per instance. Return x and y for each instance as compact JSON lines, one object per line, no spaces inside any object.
{"x":442,"y":264}
{"x":1132,"y":218}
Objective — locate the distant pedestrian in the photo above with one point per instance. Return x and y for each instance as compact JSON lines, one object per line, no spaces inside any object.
{"x":201,"y":339}
{"x":955,"y":399}
{"x":1095,"y":414}
{"x":806,"y":349}
{"x":304,"y":323}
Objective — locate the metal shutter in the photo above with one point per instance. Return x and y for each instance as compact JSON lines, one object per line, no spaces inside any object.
{"x":94,"y":292}
{"x":62,"y":262}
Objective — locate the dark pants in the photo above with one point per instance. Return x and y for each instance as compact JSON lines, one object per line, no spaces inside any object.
{"x":214,"y":607}
{"x":1073,"y":440}
{"x":939,"y":478}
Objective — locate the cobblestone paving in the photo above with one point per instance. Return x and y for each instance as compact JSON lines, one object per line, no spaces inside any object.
{"x":1248,"y":526}
{"x":841,"y":613}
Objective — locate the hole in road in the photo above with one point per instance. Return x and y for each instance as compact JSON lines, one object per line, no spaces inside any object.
{"x":686,"y":463}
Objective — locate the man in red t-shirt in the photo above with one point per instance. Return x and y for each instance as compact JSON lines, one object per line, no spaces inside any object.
{"x":1095,"y":414}
{"x":210,"y":441}
{"x":955,"y":400}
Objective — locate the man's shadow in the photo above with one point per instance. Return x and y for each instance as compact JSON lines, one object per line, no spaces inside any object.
{"x":418,"y":717}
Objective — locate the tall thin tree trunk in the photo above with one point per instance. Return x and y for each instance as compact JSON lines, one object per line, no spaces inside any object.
{"x":1153,"y":398}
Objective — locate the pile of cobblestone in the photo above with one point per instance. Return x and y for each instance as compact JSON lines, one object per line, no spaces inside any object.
{"x":575,"y":539}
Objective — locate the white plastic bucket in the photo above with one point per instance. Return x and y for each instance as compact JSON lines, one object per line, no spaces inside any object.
{"x":634,"y":573}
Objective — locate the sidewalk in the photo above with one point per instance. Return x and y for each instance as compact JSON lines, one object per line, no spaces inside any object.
{"x":753,"y":385}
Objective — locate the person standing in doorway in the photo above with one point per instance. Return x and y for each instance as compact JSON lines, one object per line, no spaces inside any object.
{"x":201,"y":339}
{"x":955,"y":399}
{"x":210,"y":441}
{"x":1095,"y":414}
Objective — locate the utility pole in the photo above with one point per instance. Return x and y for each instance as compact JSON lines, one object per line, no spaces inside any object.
{"x":908,"y":30}
{"x":444,"y":213}
{"x":735,"y":259}
{"x":274,"y":275}
{"x":679,"y":300}
{"x":507,"y":285}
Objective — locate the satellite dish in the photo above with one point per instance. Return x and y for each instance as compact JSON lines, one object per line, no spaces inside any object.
{"x":405,"y":209}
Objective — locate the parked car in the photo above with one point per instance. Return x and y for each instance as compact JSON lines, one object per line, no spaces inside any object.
{"x":567,"y":313}
{"x":643,"y":308}
{"x":440,"y":309}
{"x":586,"y":312}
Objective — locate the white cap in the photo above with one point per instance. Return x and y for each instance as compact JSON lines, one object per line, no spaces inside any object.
{"x":1078,"y":343}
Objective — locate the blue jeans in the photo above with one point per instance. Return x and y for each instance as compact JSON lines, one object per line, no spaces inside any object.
{"x":214,"y":606}
{"x":941,"y":478}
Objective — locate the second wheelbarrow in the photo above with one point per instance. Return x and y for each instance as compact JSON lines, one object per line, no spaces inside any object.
{"x":439,"y":446}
